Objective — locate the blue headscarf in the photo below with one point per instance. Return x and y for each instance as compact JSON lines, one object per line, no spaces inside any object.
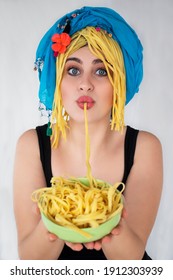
{"x":104,"y":18}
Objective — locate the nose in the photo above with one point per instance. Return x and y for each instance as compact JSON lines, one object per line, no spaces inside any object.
{"x":86,"y":85}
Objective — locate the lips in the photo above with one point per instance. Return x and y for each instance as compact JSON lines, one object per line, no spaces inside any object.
{"x":85,"y":99}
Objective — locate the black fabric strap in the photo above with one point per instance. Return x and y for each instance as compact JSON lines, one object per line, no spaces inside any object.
{"x":45,"y":152}
{"x":129,"y":151}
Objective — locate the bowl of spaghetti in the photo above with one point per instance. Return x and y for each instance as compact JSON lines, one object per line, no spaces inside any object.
{"x":80,"y":211}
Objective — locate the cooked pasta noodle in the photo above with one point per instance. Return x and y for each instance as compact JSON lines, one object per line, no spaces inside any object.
{"x":71,"y":203}
{"x":87,"y":141}
{"x":79,"y":203}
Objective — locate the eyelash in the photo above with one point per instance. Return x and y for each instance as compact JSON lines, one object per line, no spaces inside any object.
{"x":78,"y":71}
{"x":71,"y":69}
{"x":103,"y":70}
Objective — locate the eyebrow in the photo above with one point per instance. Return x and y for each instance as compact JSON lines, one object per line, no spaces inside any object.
{"x":95,"y":61}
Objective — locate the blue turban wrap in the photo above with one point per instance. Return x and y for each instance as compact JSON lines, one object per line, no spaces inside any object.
{"x":106,"y":19}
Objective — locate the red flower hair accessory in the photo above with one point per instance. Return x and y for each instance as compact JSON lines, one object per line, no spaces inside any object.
{"x":61,"y":41}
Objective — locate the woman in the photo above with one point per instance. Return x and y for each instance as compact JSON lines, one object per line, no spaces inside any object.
{"x":90,"y":56}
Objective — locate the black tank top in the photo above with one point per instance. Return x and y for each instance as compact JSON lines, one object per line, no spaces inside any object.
{"x":45,"y":156}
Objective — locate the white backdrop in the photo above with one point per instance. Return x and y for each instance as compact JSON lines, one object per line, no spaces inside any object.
{"x":22,"y":24}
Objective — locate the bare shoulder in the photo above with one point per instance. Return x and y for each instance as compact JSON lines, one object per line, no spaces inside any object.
{"x":148,"y":146}
{"x":27,"y":149}
{"x":148,"y":155}
{"x":28,"y":139}
{"x":27,"y":159}
{"x":147,"y":138}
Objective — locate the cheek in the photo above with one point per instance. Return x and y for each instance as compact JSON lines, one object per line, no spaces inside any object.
{"x":67,"y":87}
{"x":68,"y":97}
{"x":108,"y":95}
{"x":64,"y":91}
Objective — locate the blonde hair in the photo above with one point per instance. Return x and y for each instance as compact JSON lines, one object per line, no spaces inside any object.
{"x":107,"y":49}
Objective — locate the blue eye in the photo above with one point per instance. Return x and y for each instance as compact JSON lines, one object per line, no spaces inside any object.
{"x":73,"y":71}
{"x":101,"y":72}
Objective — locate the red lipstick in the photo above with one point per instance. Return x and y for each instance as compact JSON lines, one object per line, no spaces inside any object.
{"x":85,"y":99}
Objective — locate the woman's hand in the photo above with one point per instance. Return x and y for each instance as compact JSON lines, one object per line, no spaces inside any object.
{"x":97,"y":245}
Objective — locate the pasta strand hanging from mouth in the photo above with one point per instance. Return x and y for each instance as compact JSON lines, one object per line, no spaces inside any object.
{"x":87,"y":145}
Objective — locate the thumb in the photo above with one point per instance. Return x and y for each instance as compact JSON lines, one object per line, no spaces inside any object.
{"x":52,"y":237}
{"x":35,"y":209}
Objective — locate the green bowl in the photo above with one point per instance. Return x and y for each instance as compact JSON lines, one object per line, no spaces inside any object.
{"x":70,"y":235}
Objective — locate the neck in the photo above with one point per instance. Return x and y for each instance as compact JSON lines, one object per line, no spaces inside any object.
{"x":99,"y":133}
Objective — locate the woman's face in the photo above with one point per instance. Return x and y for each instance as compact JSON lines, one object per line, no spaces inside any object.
{"x":85,"y":80}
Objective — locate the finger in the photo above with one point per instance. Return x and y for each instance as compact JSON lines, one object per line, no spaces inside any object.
{"x":89,"y":245}
{"x":106,"y":239}
{"x":93,"y":245}
{"x":75,"y":246}
{"x":116,"y":230}
{"x":52,"y":237}
{"x":97,"y":245}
